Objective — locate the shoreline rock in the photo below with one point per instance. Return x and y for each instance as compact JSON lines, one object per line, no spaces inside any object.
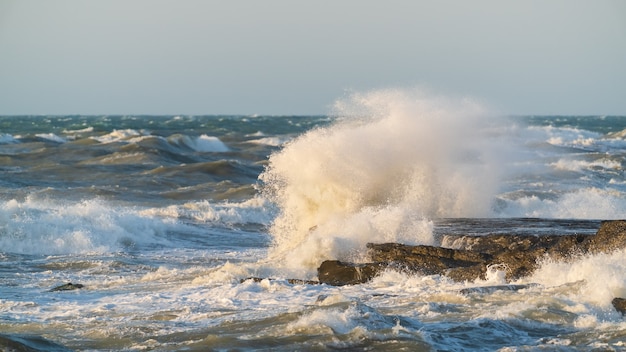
{"x":472,"y":255}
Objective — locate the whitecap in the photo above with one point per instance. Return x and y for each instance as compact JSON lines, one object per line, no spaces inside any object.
{"x":51,"y":137}
{"x":119,"y":135}
{"x":6,"y":138}
{"x":208,"y":144}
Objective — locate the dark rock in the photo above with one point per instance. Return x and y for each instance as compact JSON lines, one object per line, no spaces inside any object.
{"x":67,"y":287}
{"x":336,"y":273}
{"x":610,"y":237}
{"x":468,"y":257}
{"x":425,"y":259}
{"x":619,"y":304}
{"x":467,"y":273}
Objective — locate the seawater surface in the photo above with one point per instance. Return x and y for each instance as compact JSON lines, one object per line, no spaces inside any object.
{"x":161,"y":217}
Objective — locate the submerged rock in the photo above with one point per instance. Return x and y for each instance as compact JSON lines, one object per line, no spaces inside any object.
{"x":619,"y":304}
{"x":290,"y":281}
{"x":67,"y":287}
{"x":492,"y":289}
{"x":468,"y":257}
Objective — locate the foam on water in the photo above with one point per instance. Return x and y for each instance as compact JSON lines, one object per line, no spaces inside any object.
{"x":252,"y":211}
{"x":394,"y":160}
{"x":584,"y":203}
{"x":119,"y":135}
{"x":602,"y":277}
{"x":42,"y":226}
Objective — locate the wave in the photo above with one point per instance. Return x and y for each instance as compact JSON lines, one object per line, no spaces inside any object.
{"x":203,"y":143}
{"x":585,"y":203}
{"x":119,"y":135}
{"x":7,"y":139}
{"x":599,"y":278}
{"x":51,"y":137}
{"x":271,"y":141}
{"x":581,"y":139}
{"x":394,"y":160}
{"x":82,"y":130}
{"x":252,"y":211}
{"x":38,"y":226}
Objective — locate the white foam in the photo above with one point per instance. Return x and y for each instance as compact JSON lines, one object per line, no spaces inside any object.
{"x":572,"y":137}
{"x":252,"y":211}
{"x":579,"y":165}
{"x":271,"y":141}
{"x":118,"y":135}
{"x":207,"y":144}
{"x":82,"y":130}
{"x":36,"y":226}
{"x":51,"y":137}
{"x":602,"y":277}
{"x":585,"y":203}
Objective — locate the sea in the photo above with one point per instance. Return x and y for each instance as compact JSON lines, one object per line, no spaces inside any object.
{"x":164,"y":220}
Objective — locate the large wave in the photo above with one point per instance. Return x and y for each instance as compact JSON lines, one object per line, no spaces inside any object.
{"x":393,"y":160}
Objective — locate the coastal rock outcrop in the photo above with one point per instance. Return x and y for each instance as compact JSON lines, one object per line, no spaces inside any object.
{"x":619,"y":304}
{"x":466,"y":258}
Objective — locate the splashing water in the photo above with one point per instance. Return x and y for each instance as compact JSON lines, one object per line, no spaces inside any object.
{"x":393,"y":160}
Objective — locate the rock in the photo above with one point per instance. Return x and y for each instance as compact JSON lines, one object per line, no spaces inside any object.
{"x":426,"y":259}
{"x":619,"y":304}
{"x":337,"y":273}
{"x":610,"y":237}
{"x":66,"y":287}
{"x":468,"y":257}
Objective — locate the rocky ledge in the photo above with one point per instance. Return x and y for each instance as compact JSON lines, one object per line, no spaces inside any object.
{"x":466,"y":258}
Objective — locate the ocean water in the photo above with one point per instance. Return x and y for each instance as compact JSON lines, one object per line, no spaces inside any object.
{"x":161,"y":217}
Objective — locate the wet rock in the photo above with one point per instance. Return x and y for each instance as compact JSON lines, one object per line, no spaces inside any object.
{"x":337,"y":273}
{"x":619,"y":304}
{"x":66,"y":287}
{"x":466,"y":258}
{"x":610,"y":237}
{"x":425,"y":259}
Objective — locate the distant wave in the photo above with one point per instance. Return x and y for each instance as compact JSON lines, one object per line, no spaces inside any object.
{"x":203,"y":143}
{"x":119,"y":135}
{"x":51,"y":137}
{"x":7,"y":139}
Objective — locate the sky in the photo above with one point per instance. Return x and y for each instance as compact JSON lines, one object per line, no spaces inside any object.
{"x":287,"y":57}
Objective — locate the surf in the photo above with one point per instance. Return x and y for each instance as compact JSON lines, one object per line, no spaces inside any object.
{"x":392,"y":161}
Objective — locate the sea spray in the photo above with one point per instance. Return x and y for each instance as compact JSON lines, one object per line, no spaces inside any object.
{"x":393,"y":160}
{"x":601,"y":277}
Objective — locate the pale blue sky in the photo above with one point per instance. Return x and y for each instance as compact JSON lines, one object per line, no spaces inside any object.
{"x":296,"y":57}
